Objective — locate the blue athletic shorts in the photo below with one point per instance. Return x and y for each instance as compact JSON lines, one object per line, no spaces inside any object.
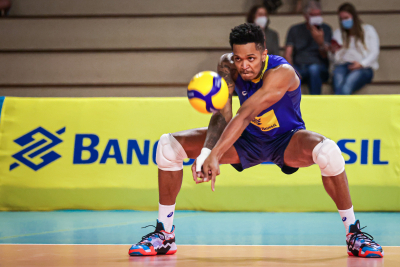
{"x":253,"y":151}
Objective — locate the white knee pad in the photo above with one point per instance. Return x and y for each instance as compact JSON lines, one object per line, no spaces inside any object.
{"x":329,"y":158}
{"x":170,"y":154}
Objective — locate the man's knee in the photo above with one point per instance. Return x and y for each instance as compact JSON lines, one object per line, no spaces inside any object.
{"x":315,"y":69}
{"x":170,"y":154}
{"x":329,"y":158}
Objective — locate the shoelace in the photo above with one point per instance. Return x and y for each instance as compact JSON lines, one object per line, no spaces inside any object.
{"x":151,"y":234}
{"x":361,"y":235}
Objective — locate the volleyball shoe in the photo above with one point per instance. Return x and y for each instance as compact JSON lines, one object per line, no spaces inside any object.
{"x":361,"y":244}
{"x":158,"y":242}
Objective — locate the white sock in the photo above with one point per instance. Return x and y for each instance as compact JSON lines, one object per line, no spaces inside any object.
{"x":166,"y":216}
{"x":347,"y":218}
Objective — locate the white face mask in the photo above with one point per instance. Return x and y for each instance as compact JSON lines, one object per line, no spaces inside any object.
{"x":261,"y":21}
{"x":316,"y":20}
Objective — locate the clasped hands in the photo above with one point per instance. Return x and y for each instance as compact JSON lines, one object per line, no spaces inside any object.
{"x":206,"y":168}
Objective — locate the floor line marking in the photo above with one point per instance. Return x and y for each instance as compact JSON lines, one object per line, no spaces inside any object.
{"x":82,"y":228}
{"x":2,"y":244}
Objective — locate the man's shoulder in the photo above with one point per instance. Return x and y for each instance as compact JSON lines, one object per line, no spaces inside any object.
{"x":326,"y":27}
{"x":226,"y":59}
{"x":298,"y":27}
{"x":275,"y":61}
{"x":270,"y":31}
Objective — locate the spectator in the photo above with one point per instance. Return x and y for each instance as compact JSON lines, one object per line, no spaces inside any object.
{"x":259,"y":16}
{"x":307,"y":46}
{"x":355,"y":48}
{"x":4,"y":7}
{"x":272,"y":5}
{"x":299,"y":5}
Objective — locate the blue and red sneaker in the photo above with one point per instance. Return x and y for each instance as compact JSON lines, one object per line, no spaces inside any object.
{"x":361,"y":244}
{"x":158,"y":242}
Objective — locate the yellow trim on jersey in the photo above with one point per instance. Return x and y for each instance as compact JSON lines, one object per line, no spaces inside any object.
{"x":256,"y":80}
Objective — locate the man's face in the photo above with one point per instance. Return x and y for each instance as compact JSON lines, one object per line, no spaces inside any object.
{"x":248,"y":60}
{"x":313,"y":13}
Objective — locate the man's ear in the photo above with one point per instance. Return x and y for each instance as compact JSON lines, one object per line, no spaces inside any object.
{"x":264,"y":55}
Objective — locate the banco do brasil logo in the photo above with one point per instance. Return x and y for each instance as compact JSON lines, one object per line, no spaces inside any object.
{"x":36,"y":150}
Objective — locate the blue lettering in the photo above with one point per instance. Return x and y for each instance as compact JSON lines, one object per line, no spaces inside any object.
{"x":376,"y":154}
{"x":342,"y":145}
{"x":155,"y":152}
{"x":364,"y":152}
{"x":142,"y":157}
{"x":94,"y":154}
{"x":112,"y":143}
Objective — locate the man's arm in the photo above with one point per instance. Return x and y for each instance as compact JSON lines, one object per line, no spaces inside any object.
{"x":276,"y":84}
{"x":319,"y":38}
{"x":219,"y":120}
{"x":289,"y":54}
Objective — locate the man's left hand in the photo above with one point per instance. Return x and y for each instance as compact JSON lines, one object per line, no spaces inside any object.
{"x":211,"y":169}
{"x":318,"y":35}
{"x":355,"y":65}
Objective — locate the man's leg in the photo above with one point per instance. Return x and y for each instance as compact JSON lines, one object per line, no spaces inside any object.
{"x":172,"y":149}
{"x":299,"y":153}
{"x":306,"y":148}
{"x":169,"y":182}
{"x":318,"y":74}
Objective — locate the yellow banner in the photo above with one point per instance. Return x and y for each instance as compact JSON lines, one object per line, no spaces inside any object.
{"x":99,"y":153}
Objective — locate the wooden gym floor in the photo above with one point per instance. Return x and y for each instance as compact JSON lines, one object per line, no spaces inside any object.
{"x":102,"y":238}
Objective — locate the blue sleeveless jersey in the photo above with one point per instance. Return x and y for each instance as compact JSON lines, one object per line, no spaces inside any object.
{"x":282,"y":117}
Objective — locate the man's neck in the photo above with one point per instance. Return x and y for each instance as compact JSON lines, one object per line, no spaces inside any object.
{"x":261,"y":71}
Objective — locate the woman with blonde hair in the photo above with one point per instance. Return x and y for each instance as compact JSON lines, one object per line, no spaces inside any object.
{"x":355,"y":48}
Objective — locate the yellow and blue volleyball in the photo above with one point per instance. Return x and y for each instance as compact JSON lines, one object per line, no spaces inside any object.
{"x":208,"y":92}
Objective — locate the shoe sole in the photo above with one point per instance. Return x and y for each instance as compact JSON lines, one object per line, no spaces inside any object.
{"x":368,"y":254}
{"x":142,"y":252}
{"x":138,"y":253}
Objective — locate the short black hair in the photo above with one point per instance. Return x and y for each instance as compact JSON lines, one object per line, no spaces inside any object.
{"x":247,"y":33}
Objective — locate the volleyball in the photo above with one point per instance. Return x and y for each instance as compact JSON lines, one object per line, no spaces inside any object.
{"x":208,"y":92}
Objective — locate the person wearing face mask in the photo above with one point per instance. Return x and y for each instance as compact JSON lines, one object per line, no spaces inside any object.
{"x":259,"y":16}
{"x":355,"y":49}
{"x":307,"y":46}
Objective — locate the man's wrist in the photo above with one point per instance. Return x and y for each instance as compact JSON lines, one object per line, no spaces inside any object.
{"x":216,"y":153}
{"x":205,"y":151}
{"x":323,"y":47}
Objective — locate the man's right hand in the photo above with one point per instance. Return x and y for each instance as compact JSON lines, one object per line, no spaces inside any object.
{"x":198,"y":164}
{"x":318,"y":35}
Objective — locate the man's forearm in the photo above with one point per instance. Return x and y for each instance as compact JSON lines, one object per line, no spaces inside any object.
{"x":231,"y":133}
{"x":215,"y":129}
{"x":323,"y":50}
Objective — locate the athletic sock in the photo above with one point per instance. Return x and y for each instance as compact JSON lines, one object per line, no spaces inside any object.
{"x":348,"y":218}
{"x":166,"y":216}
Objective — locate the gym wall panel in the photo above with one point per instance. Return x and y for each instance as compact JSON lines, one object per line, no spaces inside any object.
{"x":95,"y":91}
{"x":93,"y":7}
{"x":126,"y":33}
{"x":131,"y":67}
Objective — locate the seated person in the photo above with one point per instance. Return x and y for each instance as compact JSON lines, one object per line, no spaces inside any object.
{"x":259,"y":16}
{"x":5,"y":6}
{"x":355,"y":48}
{"x":307,"y":46}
